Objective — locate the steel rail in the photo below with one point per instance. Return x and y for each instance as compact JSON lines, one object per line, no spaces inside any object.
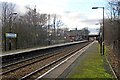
{"x":48,"y":65}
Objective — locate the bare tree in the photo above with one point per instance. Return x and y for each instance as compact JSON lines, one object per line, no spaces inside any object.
{"x":112,"y":31}
{"x":114,"y":9}
{"x":7,"y":20}
{"x":33,"y":23}
{"x":7,"y":10}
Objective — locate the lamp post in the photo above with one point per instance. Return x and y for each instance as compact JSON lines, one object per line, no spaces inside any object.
{"x":11,"y":23}
{"x":10,"y":30}
{"x":11,"y":15}
{"x":100,"y":38}
{"x":102,"y":44}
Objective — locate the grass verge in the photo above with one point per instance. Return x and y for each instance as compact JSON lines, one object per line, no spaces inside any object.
{"x":93,"y":66}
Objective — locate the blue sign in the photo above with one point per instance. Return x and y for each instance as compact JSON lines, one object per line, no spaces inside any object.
{"x":11,"y":35}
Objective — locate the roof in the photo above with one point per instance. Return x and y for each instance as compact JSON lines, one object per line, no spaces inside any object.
{"x":73,"y":32}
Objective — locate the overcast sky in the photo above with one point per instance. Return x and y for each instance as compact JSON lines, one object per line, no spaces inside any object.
{"x":75,"y":13}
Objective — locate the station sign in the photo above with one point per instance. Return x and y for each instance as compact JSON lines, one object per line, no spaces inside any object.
{"x":11,"y":35}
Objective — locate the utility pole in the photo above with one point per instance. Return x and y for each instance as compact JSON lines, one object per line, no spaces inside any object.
{"x":54,"y":25}
{"x":48,"y":30}
{"x":35,"y":25}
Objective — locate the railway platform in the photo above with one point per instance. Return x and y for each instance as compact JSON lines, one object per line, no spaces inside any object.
{"x":19,"y":51}
{"x":86,"y":63}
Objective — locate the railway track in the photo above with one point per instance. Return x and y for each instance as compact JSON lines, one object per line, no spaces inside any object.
{"x":14,"y":66}
{"x":26,"y":59}
{"x":17,"y":65}
{"x":32,"y":68}
{"x":40,"y":71}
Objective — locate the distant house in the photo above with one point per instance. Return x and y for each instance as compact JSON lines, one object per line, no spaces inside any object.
{"x":74,"y":35}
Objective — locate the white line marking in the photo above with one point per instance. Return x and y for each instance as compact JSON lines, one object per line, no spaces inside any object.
{"x":80,"y":51}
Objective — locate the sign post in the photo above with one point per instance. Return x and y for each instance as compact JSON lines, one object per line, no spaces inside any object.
{"x":10,"y":35}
